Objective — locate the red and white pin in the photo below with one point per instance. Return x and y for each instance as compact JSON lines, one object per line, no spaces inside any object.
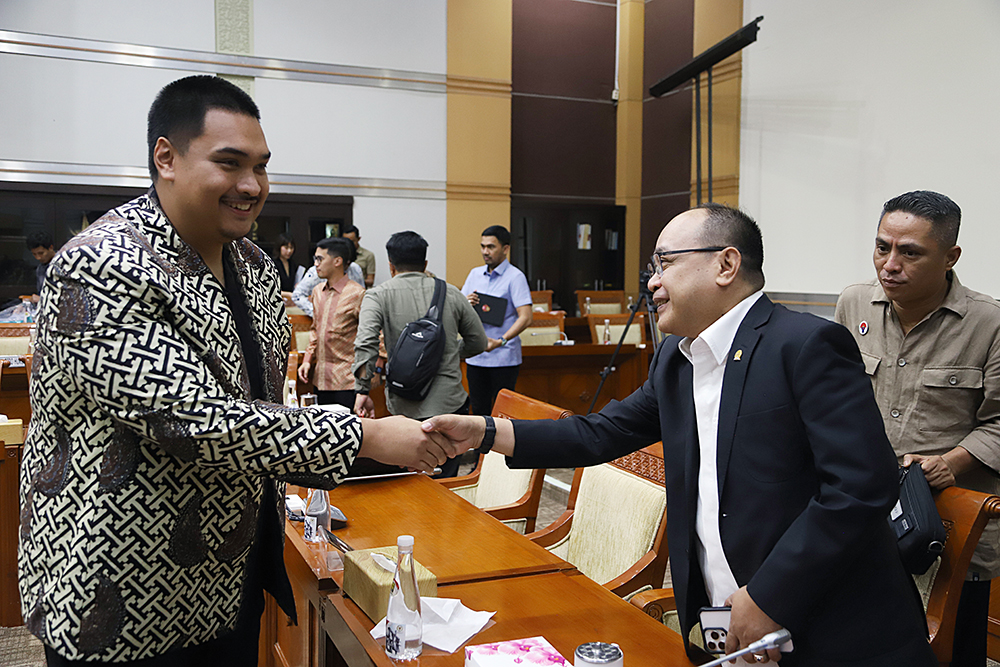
{"x":863,"y":328}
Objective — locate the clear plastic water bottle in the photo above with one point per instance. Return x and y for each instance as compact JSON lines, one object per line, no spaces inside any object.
{"x":607,"y":332}
{"x":292,"y":400}
{"x":586,"y":306}
{"x":403,"y":627}
{"x":631,"y":303}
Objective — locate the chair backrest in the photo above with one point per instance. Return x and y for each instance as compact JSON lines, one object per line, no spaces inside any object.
{"x":498,"y":484}
{"x":541,"y":300}
{"x":15,"y":338}
{"x":545,"y":329}
{"x":11,"y":435}
{"x":301,"y":324}
{"x":619,"y":515}
{"x":636,"y":332}
{"x":964,"y":514}
{"x":602,"y":302}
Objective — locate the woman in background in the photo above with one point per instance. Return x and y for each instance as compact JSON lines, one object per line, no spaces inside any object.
{"x":289,"y":272}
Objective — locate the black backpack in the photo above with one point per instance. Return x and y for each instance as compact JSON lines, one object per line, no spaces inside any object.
{"x":416,"y":357}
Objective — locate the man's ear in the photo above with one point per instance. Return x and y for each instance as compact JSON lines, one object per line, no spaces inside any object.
{"x":729,"y":264}
{"x":951,"y":257}
{"x":164,"y":157}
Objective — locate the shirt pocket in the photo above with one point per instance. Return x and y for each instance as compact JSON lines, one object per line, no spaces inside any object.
{"x":871,"y":363}
{"x":949,"y":398}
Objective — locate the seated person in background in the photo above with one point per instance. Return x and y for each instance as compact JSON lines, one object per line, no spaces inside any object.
{"x":42,"y":249}
{"x":779,"y":476}
{"x":289,"y":273}
{"x":387,"y":308}
{"x":153,"y":479}
{"x":932,"y":349}
{"x":336,"y":304}
{"x":303,"y":290}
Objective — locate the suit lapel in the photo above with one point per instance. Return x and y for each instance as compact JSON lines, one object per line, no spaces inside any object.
{"x":737,"y":365}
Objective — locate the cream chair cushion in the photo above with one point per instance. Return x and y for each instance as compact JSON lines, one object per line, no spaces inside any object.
{"x":615,"y":521}
{"x":14,"y":345}
{"x":302,"y":340}
{"x":498,"y":484}
{"x":634,"y":336}
{"x":605,"y":308}
{"x":540,"y":336}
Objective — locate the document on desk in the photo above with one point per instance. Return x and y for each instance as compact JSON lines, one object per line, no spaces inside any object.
{"x":447,"y":623}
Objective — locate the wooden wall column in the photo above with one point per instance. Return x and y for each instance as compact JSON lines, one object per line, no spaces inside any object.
{"x":479,"y":87}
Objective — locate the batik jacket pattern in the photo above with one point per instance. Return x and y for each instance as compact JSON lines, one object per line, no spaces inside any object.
{"x":146,"y":460}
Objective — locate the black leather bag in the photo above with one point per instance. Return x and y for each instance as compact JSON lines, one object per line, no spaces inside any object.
{"x":920,"y":534}
{"x":415,"y":359}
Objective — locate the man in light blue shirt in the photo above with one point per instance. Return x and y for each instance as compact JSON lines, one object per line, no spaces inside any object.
{"x":497,"y":369}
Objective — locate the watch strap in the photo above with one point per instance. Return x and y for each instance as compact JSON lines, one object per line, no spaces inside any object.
{"x":488,"y":437}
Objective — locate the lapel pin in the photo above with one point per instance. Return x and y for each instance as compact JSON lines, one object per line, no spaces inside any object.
{"x":738,"y":355}
{"x":863,"y":328}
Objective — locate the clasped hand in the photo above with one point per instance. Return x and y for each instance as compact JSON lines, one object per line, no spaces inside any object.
{"x":747,"y":624}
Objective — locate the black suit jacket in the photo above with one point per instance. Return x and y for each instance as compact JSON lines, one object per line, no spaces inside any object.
{"x":806,"y":480}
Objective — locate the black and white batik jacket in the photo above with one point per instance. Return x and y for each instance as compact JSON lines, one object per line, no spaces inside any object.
{"x":146,"y":459}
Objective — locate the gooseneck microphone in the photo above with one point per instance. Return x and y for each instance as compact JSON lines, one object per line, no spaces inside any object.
{"x":770,"y":640}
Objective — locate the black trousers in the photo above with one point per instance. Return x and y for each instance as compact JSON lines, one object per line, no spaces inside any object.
{"x":485,"y":382}
{"x":969,"y":649}
{"x":345,"y":398}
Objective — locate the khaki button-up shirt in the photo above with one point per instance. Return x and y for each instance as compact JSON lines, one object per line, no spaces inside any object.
{"x":938,"y":386}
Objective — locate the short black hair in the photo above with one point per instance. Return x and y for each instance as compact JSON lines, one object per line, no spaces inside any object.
{"x":727,"y":226}
{"x":36,"y":239}
{"x":350,"y":229}
{"x":339,"y":247}
{"x":178,"y":112}
{"x":501,"y":233}
{"x":944,"y":215}
{"x":407,"y":251}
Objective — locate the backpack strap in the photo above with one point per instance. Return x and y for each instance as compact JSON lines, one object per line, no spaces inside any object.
{"x":436,"y":310}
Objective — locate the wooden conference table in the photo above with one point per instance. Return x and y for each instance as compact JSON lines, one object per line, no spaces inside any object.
{"x":475,"y":558}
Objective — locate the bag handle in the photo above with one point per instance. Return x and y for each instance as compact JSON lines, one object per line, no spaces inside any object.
{"x":437,"y":301}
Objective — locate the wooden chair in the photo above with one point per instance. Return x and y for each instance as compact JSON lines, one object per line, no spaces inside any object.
{"x":511,"y":496}
{"x":545,"y":329}
{"x":15,"y":338}
{"x":637,"y":333}
{"x":614,"y":525}
{"x":964,"y":514}
{"x":541,"y":301}
{"x":301,"y":325}
{"x":602,"y":302}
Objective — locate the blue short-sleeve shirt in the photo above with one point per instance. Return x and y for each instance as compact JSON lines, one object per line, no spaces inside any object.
{"x":507,"y":282}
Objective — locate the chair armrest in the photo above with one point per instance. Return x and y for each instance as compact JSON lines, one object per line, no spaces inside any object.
{"x":554,"y":533}
{"x":656,"y":602}
{"x":458,"y":482}
{"x":635,"y":577}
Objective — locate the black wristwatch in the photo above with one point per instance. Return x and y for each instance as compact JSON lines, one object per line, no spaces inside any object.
{"x":488,"y":437}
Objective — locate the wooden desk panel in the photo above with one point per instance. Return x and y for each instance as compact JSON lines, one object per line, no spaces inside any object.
{"x":568,"y":376}
{"x":567,"y":609}
{"x":454,"y":539}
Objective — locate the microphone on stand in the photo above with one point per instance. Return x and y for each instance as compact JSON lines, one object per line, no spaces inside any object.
{"x":770,"y":640}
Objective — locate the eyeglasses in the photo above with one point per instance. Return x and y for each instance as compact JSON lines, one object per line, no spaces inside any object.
{"x":318,"y":258}
{"x":656,"y":267}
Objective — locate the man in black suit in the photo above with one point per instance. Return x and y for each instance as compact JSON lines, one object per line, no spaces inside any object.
{"x":779,"y":475}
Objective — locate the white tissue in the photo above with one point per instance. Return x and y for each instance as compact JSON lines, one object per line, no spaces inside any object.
{"x":447,"y":623}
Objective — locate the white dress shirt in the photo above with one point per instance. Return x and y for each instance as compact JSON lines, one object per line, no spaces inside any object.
{"x":708,"y":353}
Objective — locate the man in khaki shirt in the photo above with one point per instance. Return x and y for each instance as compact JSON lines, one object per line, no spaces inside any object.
{"x":932,"y":349}
{"x":388,"y":308}
{"x":365,"y":258}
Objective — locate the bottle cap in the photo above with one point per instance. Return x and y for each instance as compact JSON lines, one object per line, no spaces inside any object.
{"x":404,"y":542}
